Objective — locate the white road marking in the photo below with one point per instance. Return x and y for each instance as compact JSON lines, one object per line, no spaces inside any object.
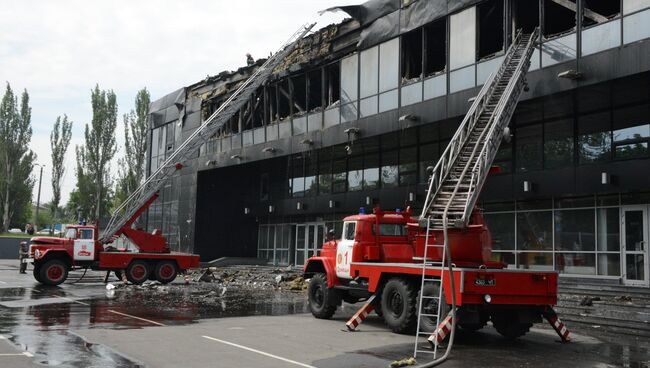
{"x":2,"y":337}
{"x":141,"y":319}
{"x":259,"y":352}
{"x":2,"y":282}
{"x":72,"y":300}
{"x":24,"y":353}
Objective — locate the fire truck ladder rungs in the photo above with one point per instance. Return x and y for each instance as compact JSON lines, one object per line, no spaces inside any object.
{"x":459,"y":175}
{"x":191,"y":145}
{"x":429,"y":305}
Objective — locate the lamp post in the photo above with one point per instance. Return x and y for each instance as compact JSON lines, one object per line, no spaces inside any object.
{"x":38,"y":198}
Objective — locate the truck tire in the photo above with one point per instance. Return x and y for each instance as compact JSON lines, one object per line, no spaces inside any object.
{"x":53,"y":272}
{"x":430,"y":306}
{"x":138,"y":271}
{"x":321,"y":298}
{"x":509,"y":327}
{"x":398,"y":305}
{"x":37,"y":273}
{"x":165,"y":271}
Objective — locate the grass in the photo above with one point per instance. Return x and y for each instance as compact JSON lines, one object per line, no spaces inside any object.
{"x":8,"y":235}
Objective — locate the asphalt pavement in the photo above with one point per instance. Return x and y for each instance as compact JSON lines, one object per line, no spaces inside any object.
{"x":82,"y":324}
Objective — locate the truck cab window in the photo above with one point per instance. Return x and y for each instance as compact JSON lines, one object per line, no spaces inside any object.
{"x":71,"y":233}
{"x":389,"y":230}
{"x":85,"y":234}
{"x":348,"y":233}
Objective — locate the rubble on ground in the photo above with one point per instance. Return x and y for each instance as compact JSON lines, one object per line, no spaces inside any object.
{"x":256,"y":277}
{"x":218,"y":291}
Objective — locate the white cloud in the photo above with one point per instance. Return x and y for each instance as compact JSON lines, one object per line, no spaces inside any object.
{"x":58,"y":51}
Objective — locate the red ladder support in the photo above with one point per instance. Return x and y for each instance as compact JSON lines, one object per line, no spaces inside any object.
{"x":361,"y":314}
{"x":557,"y":324}
{"x":441,"y":333}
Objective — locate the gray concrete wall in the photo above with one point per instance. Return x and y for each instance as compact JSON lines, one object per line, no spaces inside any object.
{"x":9,"y":247}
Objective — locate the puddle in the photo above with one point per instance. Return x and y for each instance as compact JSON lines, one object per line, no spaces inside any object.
{"x":43,"y":329}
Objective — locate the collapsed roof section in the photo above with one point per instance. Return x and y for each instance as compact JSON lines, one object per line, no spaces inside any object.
{"x":372,"y":22}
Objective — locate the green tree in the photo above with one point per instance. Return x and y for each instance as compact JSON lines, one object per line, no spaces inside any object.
{"x":135,"y":146}
{"x":59,"y":142}
{"x":16,"y":159}
{"x":95,"y":155}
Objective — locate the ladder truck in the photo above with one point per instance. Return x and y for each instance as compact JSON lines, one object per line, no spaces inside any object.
{"x":83,"y":246}
{"x":429,"y":274}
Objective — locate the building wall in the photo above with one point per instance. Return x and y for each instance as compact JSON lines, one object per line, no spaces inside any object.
{"x":402,"y":88}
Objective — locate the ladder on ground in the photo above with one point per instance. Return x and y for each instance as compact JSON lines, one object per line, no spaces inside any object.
{"x":188,"y":149}
{"x":461,"y":171}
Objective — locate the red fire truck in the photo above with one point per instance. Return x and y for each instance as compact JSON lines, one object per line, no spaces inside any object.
{"x":80,"y":247}
{"x":381,"y":254}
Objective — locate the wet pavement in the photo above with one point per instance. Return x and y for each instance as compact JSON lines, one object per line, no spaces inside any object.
{"x":38,"y":320}
{"x":85,"y":325}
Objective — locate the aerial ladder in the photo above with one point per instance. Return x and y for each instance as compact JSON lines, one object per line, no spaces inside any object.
{"x":457,"y":179}
{"x":141,"y":198}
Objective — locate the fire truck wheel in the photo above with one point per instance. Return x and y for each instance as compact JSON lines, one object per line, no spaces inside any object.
{"x":53,"y":272}
{"x":430,"y":306}
{"x":165,"y":271}
{"x":138,"y":271}
{"x":398,"y":304}
{"x":37,"y":273}
{"x":510,"y":328}
{"x":321,"y":298}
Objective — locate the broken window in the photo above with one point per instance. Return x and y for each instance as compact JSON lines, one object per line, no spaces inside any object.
{"x":272,"y":103}
{"x":299,"y":93}
{"x":314,"y":90}
{"x":332,"y":84}
{"x":258,"y":108}
{"x":284,"y":99}
{"x":598,"y":11}
{"x":247,"y":116}
{"x":412,"y":56}
{"x":435,"y":47}
{"x":526,"y":15}
{"x":559,"y":17}
{"x":490,"y":28}
{"x":233,"y":125}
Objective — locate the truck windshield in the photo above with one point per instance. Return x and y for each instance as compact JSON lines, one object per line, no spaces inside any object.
{"x":389,"y":230}
{"x":71,"y":233}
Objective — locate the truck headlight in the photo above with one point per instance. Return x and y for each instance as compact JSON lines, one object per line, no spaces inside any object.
{"x":37,"y":253}
{"x":487,"y":298}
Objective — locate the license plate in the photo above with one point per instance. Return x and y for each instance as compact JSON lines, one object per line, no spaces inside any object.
{"x":485,"y":282}
{"x":28,"y":260}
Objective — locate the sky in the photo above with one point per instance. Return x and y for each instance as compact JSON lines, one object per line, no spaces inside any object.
{"x":58,"y":51}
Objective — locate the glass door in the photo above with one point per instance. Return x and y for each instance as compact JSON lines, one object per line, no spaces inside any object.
{"x":634,"y":245}
{"x":301,"y":244}
{"x":309,"y":239}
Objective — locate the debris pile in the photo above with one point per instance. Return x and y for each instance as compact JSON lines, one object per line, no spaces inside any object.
{"x":221,"y":291}
{"x":257,"y":277}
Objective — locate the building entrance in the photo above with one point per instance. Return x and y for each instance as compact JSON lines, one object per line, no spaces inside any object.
{"x":309,"y":239}
{"x":634,"y":245}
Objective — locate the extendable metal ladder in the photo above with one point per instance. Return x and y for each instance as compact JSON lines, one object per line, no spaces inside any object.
{"x":191,"y":145}
{"x":459,"y":175}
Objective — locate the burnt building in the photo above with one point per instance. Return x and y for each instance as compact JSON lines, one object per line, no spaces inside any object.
{"x":357,"y":113}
